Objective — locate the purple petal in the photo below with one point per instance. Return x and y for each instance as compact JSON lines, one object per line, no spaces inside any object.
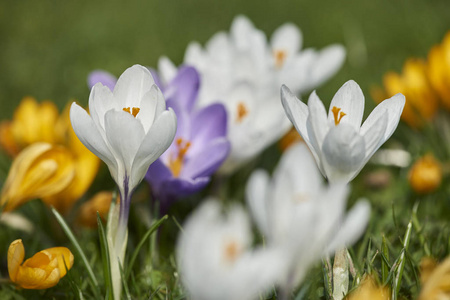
{"x":104,"y":77}
{"x":157,"y":174}
{"x":207,"y":124}
{"x":184,"y":87}
{"x":183,"y":127}
{"x":207,"y":161}
{"x":186,"y":186}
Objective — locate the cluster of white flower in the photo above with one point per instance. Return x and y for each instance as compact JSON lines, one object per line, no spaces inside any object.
{"x":301,"y":218}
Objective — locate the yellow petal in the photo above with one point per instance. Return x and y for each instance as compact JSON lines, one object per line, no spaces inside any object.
{"x":437,"y":286}
{"x":31,"y":278}
{"x":63,"y":256}
{"x":421,"y":100}
{"x":16,"y":254}
{"x":40,"y":170}
{"x":86,"y":166}
{"x":34,"y":122}
{"x":425,"y":176}
{"x":7,"y":140}
{"x":438,"y":69}
{"x":100,"y":202}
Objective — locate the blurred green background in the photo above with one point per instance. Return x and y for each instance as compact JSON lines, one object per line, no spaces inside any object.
{"x":47,"y":48}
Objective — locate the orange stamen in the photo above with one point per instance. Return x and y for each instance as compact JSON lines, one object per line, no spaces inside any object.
{"x":231,"y":251}
{"x":175,"y":165}
{"x":133,"y":111}
{"x":280,"y":57}
{"x":242,"y":111}
{"x":338,"y":115}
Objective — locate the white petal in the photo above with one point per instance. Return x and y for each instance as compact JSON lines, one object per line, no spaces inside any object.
{"x":194,"y":55}
{"x":167,"y":69}
{"x":287,"y":38}
{"x":89,"y":135}
{"x":296,"y":111}
{"x":151,"y":106}
{"x":125,"y":135}
{"x":257,"y":196}
{"x":101,"y":100}
{"x":132,"y":85}
{"x":326,"y":63}
{"x":318,"y":120}
{"x":350,"y":99}
{"x":394,"y":108}
{"x":353,"y":227}
{"x":156,"y":141}
{"x":344,"y":152}
{"x":374,"y":136}
{"x":331,"y":207}
{"x":302,"y":169}
{"x":241,"y":31}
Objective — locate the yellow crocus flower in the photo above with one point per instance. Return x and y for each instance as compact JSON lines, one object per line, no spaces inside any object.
{"x":439,"y":69}
{"x":34,"y":123}
{"x":436,"y":284}
{"x":425,"y":175}
{"x":100,"y":202}
{"x":86,"y":165}
{"x":368,"y":289}
{"x":42,"y":271}
{"x":421,"y":101}
{"x":40,"y":170}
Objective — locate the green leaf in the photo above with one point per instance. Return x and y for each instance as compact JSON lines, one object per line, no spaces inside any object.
{"x":105,"y":257}
{"x":401,"y":263}
{"x":385,"y":260}
{"x":141,"y":243}
{"x":73,"y":239}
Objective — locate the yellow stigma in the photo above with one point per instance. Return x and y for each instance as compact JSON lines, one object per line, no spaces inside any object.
{"x":175,"y":164}
{"x":134,"y":111}
{"x":242,"y":111}
{"x":338,"y":115}
{"x":280,"y":57}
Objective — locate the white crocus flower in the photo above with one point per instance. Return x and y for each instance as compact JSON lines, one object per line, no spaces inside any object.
{"x":215,"y":259}
{"x":300,"y":215}
{"x":341,"y":146}
{"x":302,"y":70}
{"x":128,"y":129}
{"x":242,"y":70}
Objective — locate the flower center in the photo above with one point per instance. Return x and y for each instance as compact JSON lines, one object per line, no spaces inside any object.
{"x":338,"y":115}
{"x":231,"y":251}
{"x":242,"y":112}
{"x":299,"y":198}
{"x":133,"y":111}
{"x":175,"y":164}
{"x":280,"y":57}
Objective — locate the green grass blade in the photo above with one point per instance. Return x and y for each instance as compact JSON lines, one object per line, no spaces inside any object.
{"x":385,"y":260}
{"x":398,"y":276}
{"x":141,"y":243}
{"x":80,"y":251}
{"x":105,"y":257}
{"x":418,"y":228}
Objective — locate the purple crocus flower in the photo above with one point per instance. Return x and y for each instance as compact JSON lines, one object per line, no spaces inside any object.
{"x":200,"y":145}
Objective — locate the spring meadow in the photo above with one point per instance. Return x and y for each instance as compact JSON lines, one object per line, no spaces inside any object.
{"x":225,"y":150}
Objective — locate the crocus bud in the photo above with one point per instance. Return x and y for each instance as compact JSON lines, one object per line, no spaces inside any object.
{"x":425,"y":175}
{"x":100,"y":202}
{"x":42,"y":271}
